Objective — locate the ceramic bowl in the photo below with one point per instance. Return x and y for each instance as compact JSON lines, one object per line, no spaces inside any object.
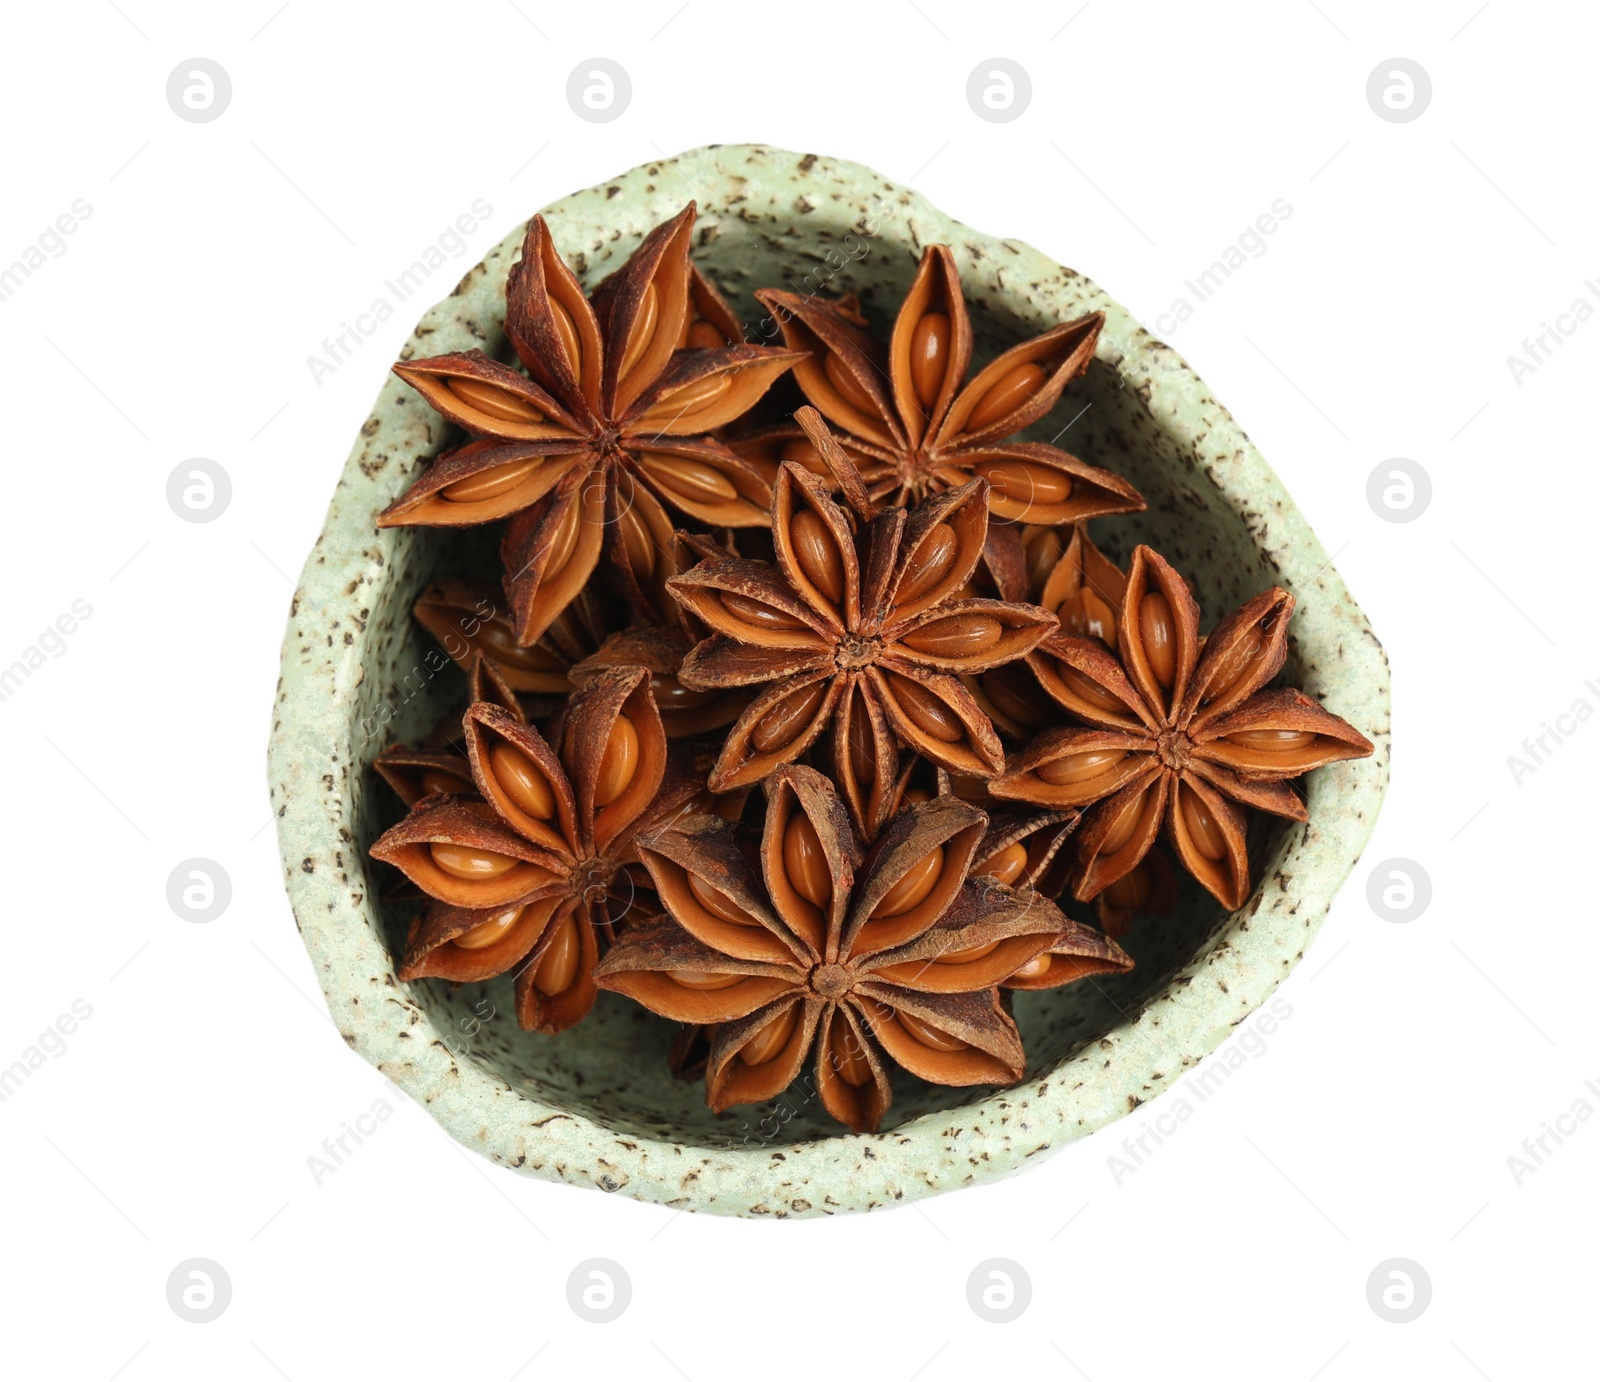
{"x":595,"y":1107}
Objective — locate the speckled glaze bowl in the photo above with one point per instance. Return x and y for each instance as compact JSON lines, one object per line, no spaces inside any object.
{"x":595,"y":1107}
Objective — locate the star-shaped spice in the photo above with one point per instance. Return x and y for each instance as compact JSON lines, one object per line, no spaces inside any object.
{"x":1175,"y":736}
{"x":863,"y":962}
{"x":534,"y":872}
{"x":469,"y":619}
{"x":440,"y":766}
{"x":610,"y":421}
{"x":1022,"y":848}
{"x":855,"y":625}
{"x":1069,"y":577}
{"x":917,"y":425}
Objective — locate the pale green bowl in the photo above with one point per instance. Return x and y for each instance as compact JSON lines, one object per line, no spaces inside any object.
{"x":595,"y":1107}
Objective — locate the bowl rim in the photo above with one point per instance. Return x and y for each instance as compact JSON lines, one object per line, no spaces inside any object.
{"x":1237,"y":970}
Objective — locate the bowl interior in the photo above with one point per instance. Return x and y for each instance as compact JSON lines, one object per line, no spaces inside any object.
{"x":612,"y":1067}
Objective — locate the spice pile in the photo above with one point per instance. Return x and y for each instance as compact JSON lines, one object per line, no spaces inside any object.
{"x":805,"y":699}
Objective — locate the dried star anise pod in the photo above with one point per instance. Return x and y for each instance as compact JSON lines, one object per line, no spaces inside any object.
{"x":917,"y":426}
{"x":891,"y":958}
{"x":1022,"y":848}
{"x":855,"y":625}
{"x":471,"y":619}
{"x":536,"y":873}
{"x":1149,"y":889}
{"x":685,"y":710}
{"x":1176,"y":736}
{"x":440,"y":766}
{"x":611,"y":420}
{"x":1071,"y":578}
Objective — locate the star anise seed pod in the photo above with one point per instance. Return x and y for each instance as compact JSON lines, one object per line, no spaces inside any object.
{"x":1150,"y":889}
{"x":472,"y":618}
{"x":440,"y":766}
{"x":536,"y":873}
{"x":863,"y":962}
{"x":855,"y":626}
{"x":918,"y":426}
{"x":1174,"y":736}
{"x":1072,"y":579}
{"x":611,"y":420}
{"x":685,"y":710}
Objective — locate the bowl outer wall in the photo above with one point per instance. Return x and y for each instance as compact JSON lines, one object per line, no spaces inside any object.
{"x":313,"y":752}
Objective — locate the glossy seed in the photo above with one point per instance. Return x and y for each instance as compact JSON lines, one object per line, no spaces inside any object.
{"x":671,"y":694}
{"x":959,"y":636}
{"x":1007,"y":865}
{"x":486,"y":933}
{"x":1036,"y":968}
{"x":1079,"y":767}
{"x":703,"y":336}
{"x":491,"y":483}
{"x":847,"y":1057}
{"x":500,"y":644}
{"x":804,"y":864}
{"x":619,"y":763}
{"x":719,"y":904}
{"x":1086,"y":615}
{"x":558,"y":966}
{"x":1236,"y":663}
{"x":1089,"y":690}
{"x":924,"y":709}
{"x":563,"y":542}
{"x":1015,"y":694}
{"x":567,"y":329}
{"x":784,"y":723}
{"x":927,"y":1034}
{"x":690,"y":398}
{"x":493,"y":401}
{"x":643,"y":330}
{"x":1123,"y":827}
{"x":637,"y":544}
{"x":437,"y":780}
{"x":817,"y":553}
{"x":1130,"y":891}
{"x":1200,"y":825}
{"x":772,"y":1037}
{"x":804,"y":453}
{"x":930,"y":356}
{"x":1159,"y":635}
{"x":967,"y":955}
{"x":1027,"y":483}
{"x":934,"y":559}
{"x":913,"y":889}
{"x":1042,"y":548}
{"x":754,"y":612}
{"x":848,"y":386}
{"x":693,"y":480}
{"x":705,"y":983}
{"x":863,"y":759}
{"x":1005,"y":395}
{"x":471,"y":865}
{"x":1272,"y":740}
{"x":521,"y":780}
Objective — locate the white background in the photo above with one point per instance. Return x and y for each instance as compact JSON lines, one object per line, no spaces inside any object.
{"x":1377,"y":1120}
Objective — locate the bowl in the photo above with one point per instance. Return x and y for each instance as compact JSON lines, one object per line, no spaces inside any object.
{"x":594,"y":1107}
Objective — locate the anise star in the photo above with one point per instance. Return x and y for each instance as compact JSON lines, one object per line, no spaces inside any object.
{"x":610,"y":420}
{"x":890,"y":959}
{"x":917,"y":425}
{"x":534,"y":871}
{"x":1176,"y":736}
{"x":858,"y":628}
